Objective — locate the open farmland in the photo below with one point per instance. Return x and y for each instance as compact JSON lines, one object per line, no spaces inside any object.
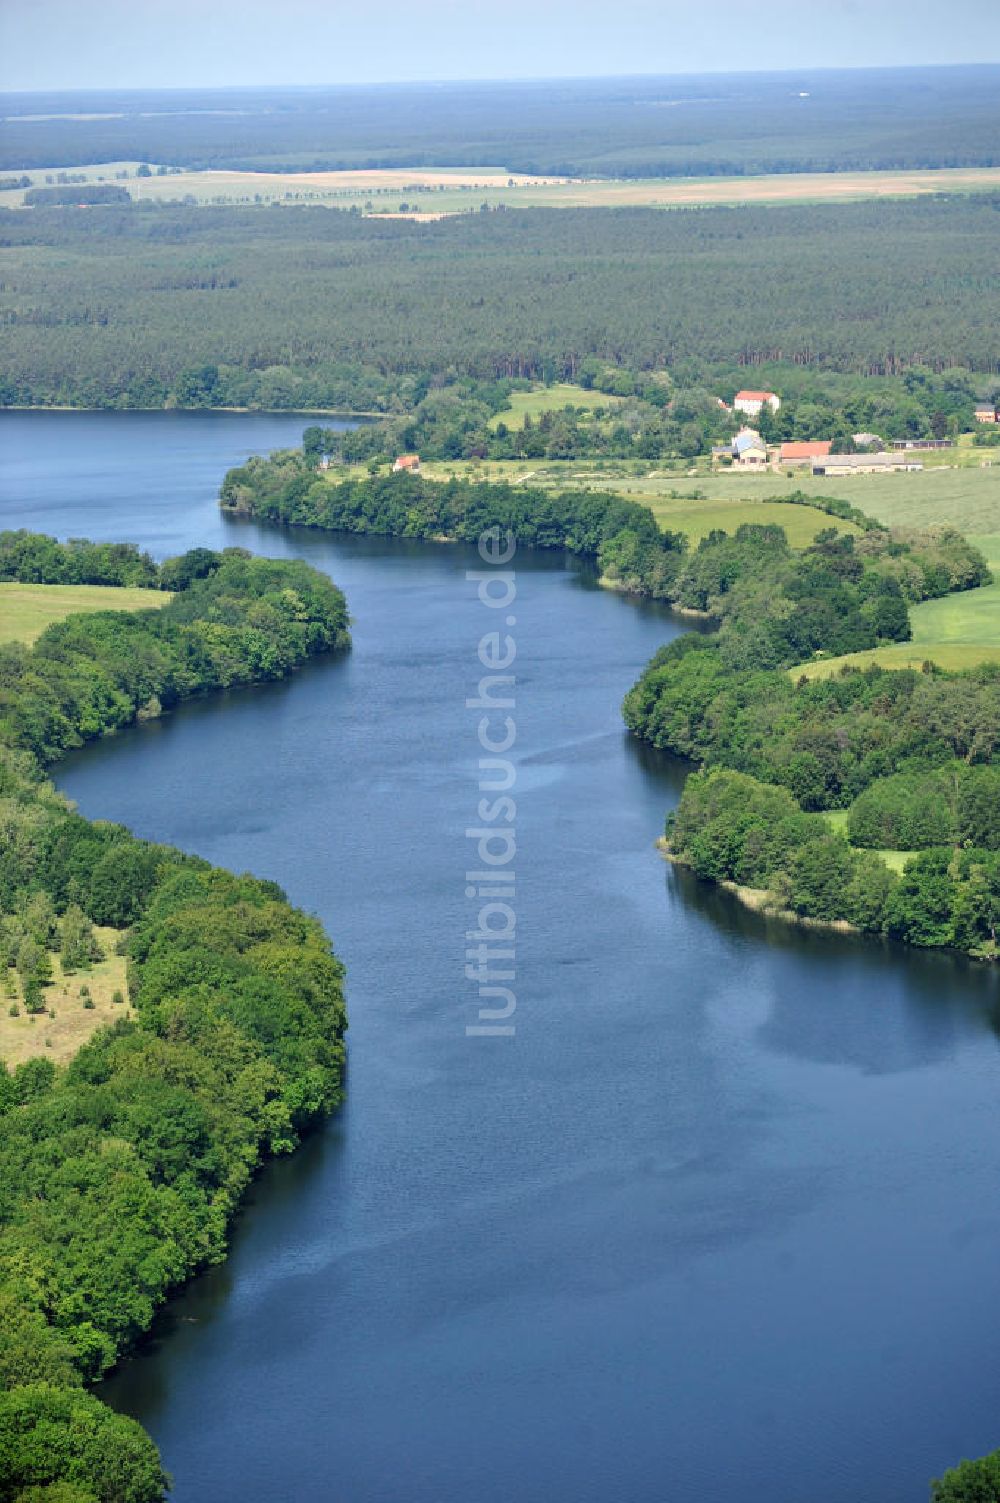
{"x":27,"y":609}
{"x":677,"y":512}
{"x":696,"y":519}
{"x":419,"y":193}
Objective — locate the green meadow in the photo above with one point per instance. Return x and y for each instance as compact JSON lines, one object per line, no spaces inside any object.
{"x":27,"y":609}
{"x":964,"y":494}
{"x":956,"y":631}
{"x":896,"y":860}
{"x":549,"y":399}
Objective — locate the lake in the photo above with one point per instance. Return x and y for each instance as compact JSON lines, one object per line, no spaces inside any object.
{"x":721,"y":1218}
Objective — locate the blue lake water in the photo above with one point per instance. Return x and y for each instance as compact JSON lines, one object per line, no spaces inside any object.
{"x":720,"y":1220}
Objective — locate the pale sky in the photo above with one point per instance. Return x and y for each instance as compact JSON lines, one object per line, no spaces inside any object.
{"x":64,"y":44}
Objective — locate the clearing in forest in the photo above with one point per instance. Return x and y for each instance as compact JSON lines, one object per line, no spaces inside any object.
{"x":58,"y":1038}
{"x":27,"y":609}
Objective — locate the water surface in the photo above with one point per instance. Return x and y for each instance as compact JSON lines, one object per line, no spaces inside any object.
{"x":719,"y":1221}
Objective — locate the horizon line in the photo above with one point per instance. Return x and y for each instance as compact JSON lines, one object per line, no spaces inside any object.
{"x":534,"y":78}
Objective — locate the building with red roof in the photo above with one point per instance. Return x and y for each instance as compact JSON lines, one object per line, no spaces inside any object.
{"x":751,"y":402}
{"x":805,"y":453}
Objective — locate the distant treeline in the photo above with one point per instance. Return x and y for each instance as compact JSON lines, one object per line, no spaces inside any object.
{"x":120,"y":1172}
{"x":153,"y":305}
{"x":618,"y":127}
{"x":86,"y":193}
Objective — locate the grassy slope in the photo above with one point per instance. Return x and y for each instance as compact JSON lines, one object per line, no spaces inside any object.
{"x":957,"y":631}
{"x":965,"y":495}
{"x":26,"y":610}
{"x":549,"y":399}
{"x":698,"y":518}
{"x":60,"y":1037}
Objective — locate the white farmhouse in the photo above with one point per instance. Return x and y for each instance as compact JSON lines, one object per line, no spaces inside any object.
{"x":751,"y":402}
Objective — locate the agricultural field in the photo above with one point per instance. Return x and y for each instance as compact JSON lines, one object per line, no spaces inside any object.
{"x":429,"y":194}
{"x":27,"y":609}
{"x":696,"y":519}
{"x":956,"y":631}
{"x":59,"y":1037}
{"x":962,"y":495}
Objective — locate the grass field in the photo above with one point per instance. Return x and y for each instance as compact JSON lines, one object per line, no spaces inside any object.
{"x":433,"y":193}
{"x":958,"y":488}
{"x":698,"y":518}
{"x":60,"y":1037}
{"x":962,"y":496}
{"x":896,"y":860}
{"x":549,"y":399}
{"x":957,"y":631}
{"x":26,"y":610}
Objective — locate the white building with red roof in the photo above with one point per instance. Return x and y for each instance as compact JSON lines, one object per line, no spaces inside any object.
{"x":751,"y":402}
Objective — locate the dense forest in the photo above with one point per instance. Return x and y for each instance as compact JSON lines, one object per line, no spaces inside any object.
{"x":119,"y":1173}
{"x":616,"y":127}
{"x":147,"y":306}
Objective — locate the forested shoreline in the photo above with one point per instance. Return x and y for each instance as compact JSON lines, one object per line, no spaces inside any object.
{"x":119,"y":1173}
{"x":909,"y":757}
{"x":778,"y":753}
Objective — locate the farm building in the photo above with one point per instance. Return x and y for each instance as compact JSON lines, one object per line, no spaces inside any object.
{"x":863,"y":464}
{"x":805,"y":453}
{"x":923,"y":443}
{"x":410,"y":463}
{"x":868,"y":441}
{"x":751,"y":402}
{"x":749,"y":449}
{"x":986,"y":413}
